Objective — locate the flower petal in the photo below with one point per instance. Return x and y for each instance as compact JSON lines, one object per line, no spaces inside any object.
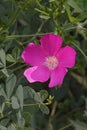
{"x":28,"y":72}
{"x":33,"y":55}
{"x":66,"y":56}
{"x":57,"y":76}
{"x":51,"y":43}
{"x":37,"y":74}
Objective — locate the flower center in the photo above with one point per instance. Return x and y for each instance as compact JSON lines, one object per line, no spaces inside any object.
{"x":51,"y":62}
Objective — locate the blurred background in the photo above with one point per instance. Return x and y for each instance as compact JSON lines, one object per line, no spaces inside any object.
{"x":25,"y":106}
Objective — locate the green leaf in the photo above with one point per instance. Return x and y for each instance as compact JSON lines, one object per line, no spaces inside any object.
{"x":2,"y":127}
{"x":43,"y":95}
{"x":82,"y":16}
{"x":74,"y":5}
{"x":2,"y":58}
{"x":14,"y":16}
{"x":16,"y":53}
{"x":2,"y":104}
{"x":15,"y":104}
{"x":79,"y":125}
{"x":15,"y":56}
{"x":44,"y":17}
{"x":82,"y":4}
{"x":2,"y":92}
{"x":10,"y":58}
{"x":69,"y":26}
{"x":73,"y":19}
{"x":21,"y":121}
{"x":44,"y":109}
{"x":32,"y":94}
{"x":10,"y":84}
{"x":5,"y":122}
{"x":37,"y":97}
{"x":11,"y":127}
{"x":27,"y":116}
{"x":19,"y":94}
{"x":5,"y":72}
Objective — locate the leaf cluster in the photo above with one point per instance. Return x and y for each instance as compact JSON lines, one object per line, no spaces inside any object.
{"x":25,"y":106}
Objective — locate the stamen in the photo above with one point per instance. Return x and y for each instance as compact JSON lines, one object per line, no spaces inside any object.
{"x":51,"y":62}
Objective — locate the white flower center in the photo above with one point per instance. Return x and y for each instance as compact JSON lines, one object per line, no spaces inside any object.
{"x":51,"y":62}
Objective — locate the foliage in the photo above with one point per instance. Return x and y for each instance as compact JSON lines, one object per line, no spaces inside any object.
{"x":22,"y":103}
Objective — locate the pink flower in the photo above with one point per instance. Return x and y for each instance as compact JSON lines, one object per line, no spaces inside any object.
{"x":48,"y":60}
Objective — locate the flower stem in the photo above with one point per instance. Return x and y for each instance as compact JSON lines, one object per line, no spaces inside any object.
{"x":66,"y":126}
{"x":20,"y":36}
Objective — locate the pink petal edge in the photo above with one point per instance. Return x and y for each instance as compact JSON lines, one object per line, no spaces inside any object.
{"x":28,"y":72}
{"x":37,"y":74}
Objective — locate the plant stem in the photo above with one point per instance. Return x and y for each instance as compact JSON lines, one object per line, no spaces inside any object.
{"x":20,"y":36}
{"x":85,"y":56}
{"x":66,"y":126}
